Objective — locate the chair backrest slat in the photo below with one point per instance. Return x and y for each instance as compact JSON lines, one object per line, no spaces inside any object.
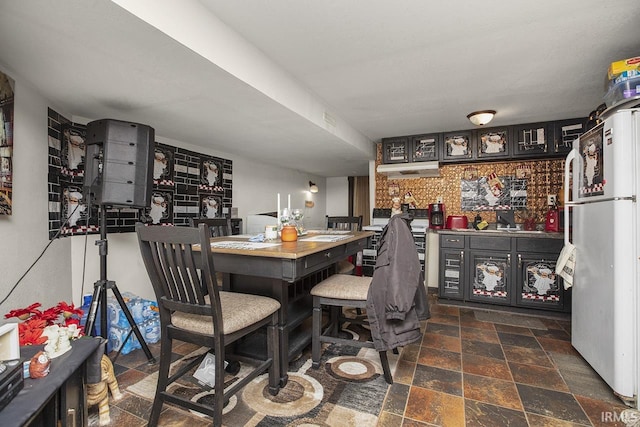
{"x":217,"y":226}
{"x":351,"y":223}
{"x":181,"y":275}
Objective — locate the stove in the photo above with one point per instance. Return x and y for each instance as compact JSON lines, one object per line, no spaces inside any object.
{"x":380,"y":218}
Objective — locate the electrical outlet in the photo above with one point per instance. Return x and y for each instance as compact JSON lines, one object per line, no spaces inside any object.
{"x":439,"y":199}
{"x":551,"y":200}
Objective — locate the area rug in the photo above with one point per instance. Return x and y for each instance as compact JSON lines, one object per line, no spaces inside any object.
{"x":347,"y":389}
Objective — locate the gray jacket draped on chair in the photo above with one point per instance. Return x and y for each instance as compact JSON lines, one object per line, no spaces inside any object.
{"x":397,"y":299}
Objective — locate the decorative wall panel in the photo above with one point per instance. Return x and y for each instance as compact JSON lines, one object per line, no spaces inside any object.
{"x":186,"y":185}
{"x":542,"y":177}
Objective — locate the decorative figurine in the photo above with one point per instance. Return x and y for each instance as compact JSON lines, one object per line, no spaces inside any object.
{"x":98,"y":393}
{"x":59,"y":339}
{"x":39,"y":365}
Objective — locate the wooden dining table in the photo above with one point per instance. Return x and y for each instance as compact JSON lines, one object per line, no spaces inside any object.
{"x":285,"y":271}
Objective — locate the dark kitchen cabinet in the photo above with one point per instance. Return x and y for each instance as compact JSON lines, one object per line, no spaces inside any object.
{"x":531,"y":140}
{"x":395,"y":150}
{"x":502,"y":270}
{"x":457,"y":146}
{"x":493,"y":143}
{"x":565,"y":132}
{"x":538,"y":286}
{"x":452,"y":268}
{"x":490,"y":269}
{"x":425,"y":147}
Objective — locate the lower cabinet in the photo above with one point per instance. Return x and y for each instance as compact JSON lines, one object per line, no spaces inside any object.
{"x":504,"y":270}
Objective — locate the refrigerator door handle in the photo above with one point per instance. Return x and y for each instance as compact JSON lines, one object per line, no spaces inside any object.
{"x":567,"y":182}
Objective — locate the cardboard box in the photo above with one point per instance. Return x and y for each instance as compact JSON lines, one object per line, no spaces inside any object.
{"x":618,"y":67}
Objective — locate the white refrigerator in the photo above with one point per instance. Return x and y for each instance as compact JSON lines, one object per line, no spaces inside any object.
{"x":603,"y":171}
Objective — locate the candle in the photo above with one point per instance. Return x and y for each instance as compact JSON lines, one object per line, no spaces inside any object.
{"x":278,"y":211}
{"x":289,"y":202}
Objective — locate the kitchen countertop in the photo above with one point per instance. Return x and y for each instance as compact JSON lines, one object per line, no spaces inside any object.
{"x":494,"y":232}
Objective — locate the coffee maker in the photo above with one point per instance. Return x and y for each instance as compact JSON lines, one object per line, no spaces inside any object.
{"x":436,"y":215}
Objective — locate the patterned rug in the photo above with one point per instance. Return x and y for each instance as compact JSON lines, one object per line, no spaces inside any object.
{"x":347,"y":389}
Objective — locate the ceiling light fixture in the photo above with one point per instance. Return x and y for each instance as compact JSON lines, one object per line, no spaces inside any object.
{"x":313,"y":188}
{"x":481,"y":118}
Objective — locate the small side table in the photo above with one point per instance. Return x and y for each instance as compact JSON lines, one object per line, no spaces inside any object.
{"x":60,"y":397}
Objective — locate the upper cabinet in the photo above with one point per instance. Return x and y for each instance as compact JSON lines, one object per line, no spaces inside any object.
{"x":493,"y":143}
{"x":531,"y":140}
{"x":395,"y":150}
{"x":526,"y":141}
{"x":457,"y":146}
{"x":565,"y":132}
{"x":424,"y":148}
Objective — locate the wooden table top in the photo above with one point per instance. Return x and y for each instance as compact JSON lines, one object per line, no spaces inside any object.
{"x":311,"y":243}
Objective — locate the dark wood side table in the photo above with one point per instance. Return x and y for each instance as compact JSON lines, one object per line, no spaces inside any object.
{"x":60,"y":397}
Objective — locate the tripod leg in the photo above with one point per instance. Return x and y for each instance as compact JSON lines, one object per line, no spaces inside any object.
{"x":134,"y":326}
{"x":98,"y":289}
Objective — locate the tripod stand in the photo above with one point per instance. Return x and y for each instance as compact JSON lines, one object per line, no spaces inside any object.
{"x":100,"y":294}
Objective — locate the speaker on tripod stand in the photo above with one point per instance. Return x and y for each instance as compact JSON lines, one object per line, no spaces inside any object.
{"x":118,"y":173}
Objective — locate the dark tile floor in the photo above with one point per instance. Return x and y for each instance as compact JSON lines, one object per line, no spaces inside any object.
{"x":473,"y":368}
{"x":482,"y":368}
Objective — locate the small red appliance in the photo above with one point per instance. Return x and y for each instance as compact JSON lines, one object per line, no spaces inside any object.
{"x":457,"y":222}
{"x":436,"y":215}
{"x":552,"y":223}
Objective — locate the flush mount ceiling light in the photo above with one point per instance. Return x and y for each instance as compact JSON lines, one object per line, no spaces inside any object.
{"x":313,"y":188}
{"x":481,"y":118}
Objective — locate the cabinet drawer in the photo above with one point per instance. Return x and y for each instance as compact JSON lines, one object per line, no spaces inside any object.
{"x":325,"y":257}
{"x":491,"y":243}
{"x":451,"y":241}
{"x":539,"y":245}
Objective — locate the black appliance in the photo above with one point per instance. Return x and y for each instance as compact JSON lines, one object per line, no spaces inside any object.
{"x":436,"y":215}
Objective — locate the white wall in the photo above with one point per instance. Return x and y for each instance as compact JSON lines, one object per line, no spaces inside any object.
{"x":70,"y":266}
{"x":255,"y":188}
{"x":25,"y":234}
{"x":337,"y":195}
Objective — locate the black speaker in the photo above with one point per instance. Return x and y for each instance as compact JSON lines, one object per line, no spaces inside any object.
{"x":119,"y":163}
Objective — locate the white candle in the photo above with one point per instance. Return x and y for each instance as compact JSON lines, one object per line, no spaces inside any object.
{"x":289,"y":202}
{"x":278,"y":211}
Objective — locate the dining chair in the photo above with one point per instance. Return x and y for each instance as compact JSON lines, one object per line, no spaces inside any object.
{"x":217,"y":226}
{"x":351,"y":223}
{"x":336,"y":292}
{"x":394,"y":297}
{"x":193,"y":309}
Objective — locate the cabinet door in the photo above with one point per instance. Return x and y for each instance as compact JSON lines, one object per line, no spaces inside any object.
{"x":490,"y":277}
{"x":538,"y":286}
{"x":493,"y":143}
{"x":457,"y":146}
{"x":395,"y":150}
{"x":531,"y":140}
{"x":565,"y":132}
{"x":451,"y":274}
{"x":425,"y":147}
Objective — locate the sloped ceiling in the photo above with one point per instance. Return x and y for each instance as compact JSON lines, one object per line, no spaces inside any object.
{"x":313,"y":85}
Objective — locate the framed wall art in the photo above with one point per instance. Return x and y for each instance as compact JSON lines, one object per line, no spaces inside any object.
{"x":7,"y":85}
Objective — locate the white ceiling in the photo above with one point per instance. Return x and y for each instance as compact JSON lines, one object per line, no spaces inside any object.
{"x":312,"y":84}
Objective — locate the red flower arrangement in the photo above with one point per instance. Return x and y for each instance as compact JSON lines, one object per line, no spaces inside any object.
{"x":34,"y":320}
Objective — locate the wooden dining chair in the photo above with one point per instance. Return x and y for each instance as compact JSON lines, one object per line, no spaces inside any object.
{"x":217,"y":226}
{"x":336,"y":292}
{"x":351,"y":223}
{"x":193,"y":309}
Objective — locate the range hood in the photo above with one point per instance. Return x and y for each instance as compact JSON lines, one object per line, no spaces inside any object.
{"x":409,"y":170}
